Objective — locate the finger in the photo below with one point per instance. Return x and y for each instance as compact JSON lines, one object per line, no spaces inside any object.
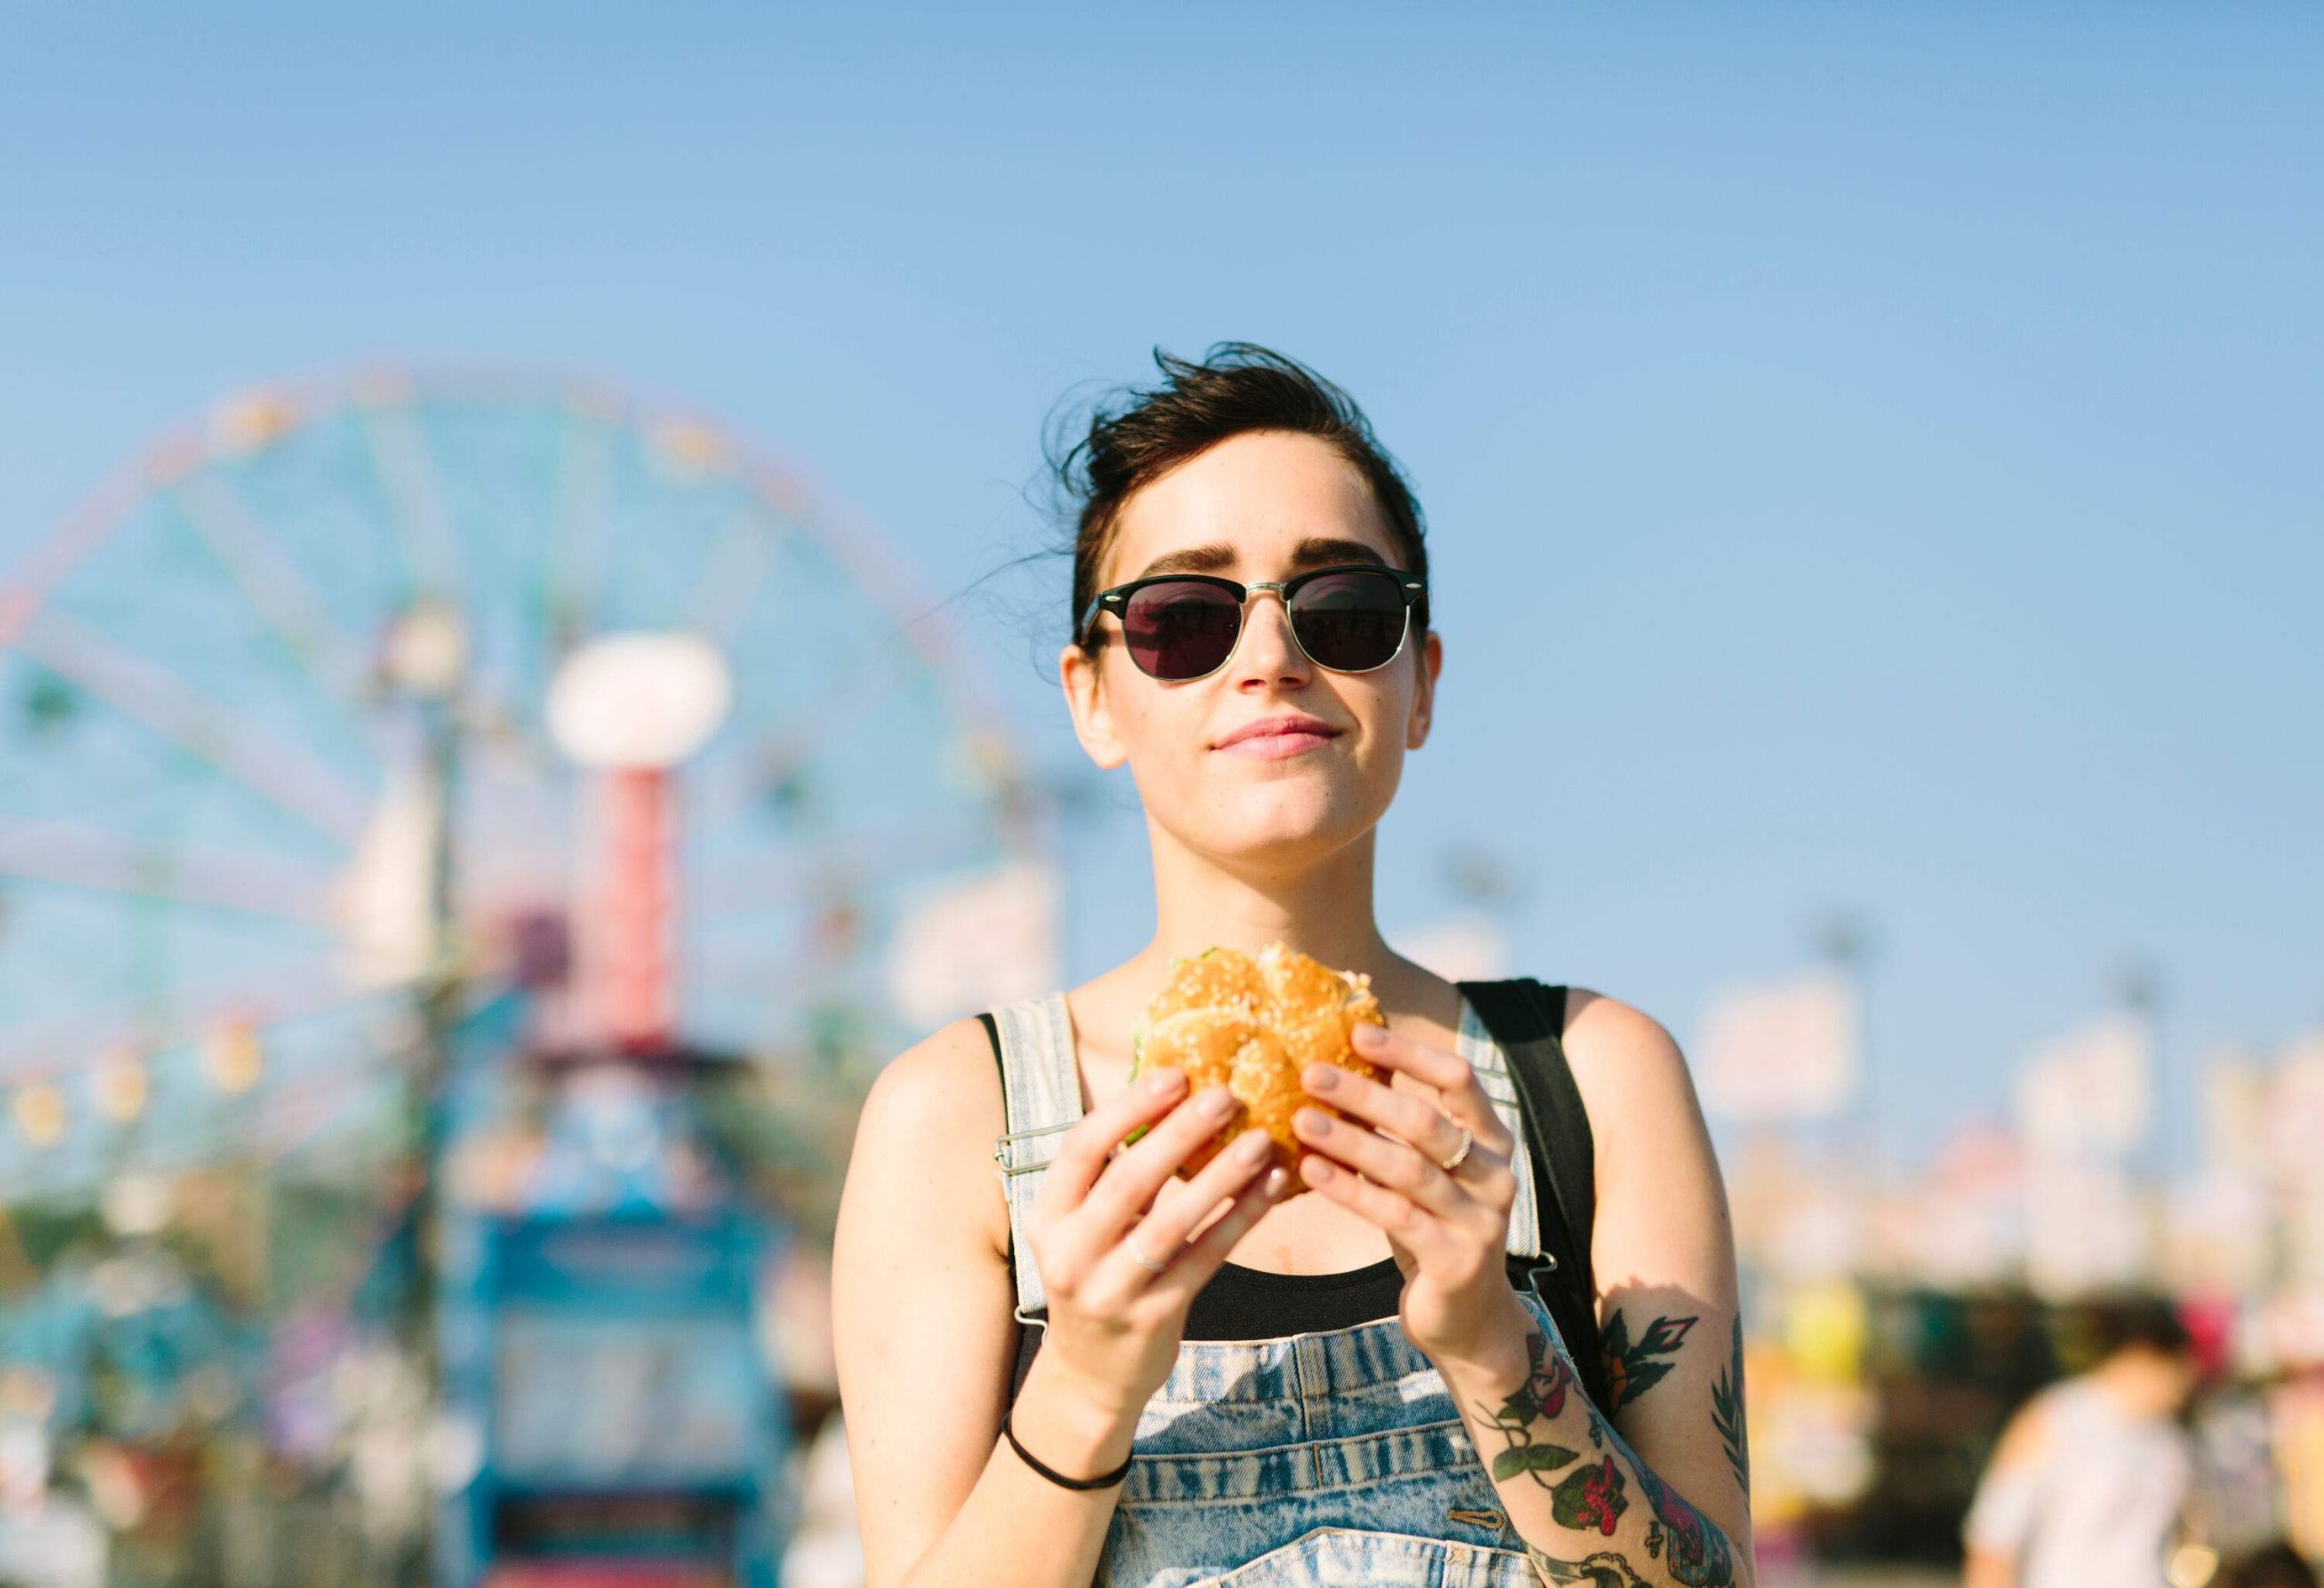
{"x":1163,"y":1232}
{"x":1130,"y":1181}
{"x":1430,"y":1238}
{"x":1396,"y":1165}
{"x":1128,"y":1184}
{"x":1454,"y":1078}
{"x":1199,"y":1262}
{"x":1405,"y":1114}
{"x":1081,"y":1151}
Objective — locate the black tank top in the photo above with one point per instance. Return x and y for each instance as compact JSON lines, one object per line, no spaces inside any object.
{"x":1255,"y":1304}
{"x":1242,"y":1302}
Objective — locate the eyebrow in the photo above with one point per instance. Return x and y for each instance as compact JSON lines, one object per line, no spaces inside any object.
{"x":1315,"y":551}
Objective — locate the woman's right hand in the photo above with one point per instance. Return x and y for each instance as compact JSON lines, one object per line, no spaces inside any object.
{"x":1114,"y":1325}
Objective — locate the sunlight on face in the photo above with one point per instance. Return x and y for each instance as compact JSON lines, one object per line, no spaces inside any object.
{"x":1257,"y":496}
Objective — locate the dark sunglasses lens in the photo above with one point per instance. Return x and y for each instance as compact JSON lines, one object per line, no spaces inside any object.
{"x":1351,"y":622}
{"x":1180,"y":630}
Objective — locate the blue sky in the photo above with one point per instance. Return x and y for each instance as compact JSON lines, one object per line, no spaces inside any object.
{"x":1870,"y":452}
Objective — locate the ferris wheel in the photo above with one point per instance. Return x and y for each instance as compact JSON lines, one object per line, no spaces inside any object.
{"x":294,"y":656}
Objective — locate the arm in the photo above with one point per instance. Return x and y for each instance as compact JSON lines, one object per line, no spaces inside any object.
{"x":923,"y":1306}
{"x":2007,"y":1501}
{"x":1591,"y":1508}
{"x":1984,"y":1568}
{"x":922,"y":1385}
{"x":1657,"y":1491}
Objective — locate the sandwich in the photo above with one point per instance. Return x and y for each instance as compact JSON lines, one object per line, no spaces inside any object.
{"x":1255,"y":1022}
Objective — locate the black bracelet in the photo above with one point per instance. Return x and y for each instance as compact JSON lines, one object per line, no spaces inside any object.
{"x":1051,"y":1473}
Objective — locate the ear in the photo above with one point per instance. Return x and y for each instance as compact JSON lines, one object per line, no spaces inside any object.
{"x":1432,"y":661}
{"x":1082,"y":676}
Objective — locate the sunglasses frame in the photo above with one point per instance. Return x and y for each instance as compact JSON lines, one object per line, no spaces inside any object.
{"x":1117,"y":601}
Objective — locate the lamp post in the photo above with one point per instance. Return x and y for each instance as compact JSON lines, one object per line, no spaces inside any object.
{"x":1844,"y":938}
{"x":425,"y":660}
{"x":633,"y":706}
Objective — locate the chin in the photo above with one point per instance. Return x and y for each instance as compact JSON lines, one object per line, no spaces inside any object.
{"x":1277,"y":836}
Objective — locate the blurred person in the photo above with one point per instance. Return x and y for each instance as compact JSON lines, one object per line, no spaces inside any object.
{"x":1373,"y":1394}
{"x":2091,"y":1479}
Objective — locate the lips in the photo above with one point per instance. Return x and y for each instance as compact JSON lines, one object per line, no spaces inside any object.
{"x":1296,"y":725}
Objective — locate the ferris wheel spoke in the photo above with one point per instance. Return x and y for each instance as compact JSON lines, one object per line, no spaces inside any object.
{"x":66,"y":856}
{"x":21,"y":592}
{"x":287,"y":1120}
{"x":415,"y":498}
{"x":277,"y":590}
{"x":787,"y":875}
{"x":297,"y":783}
{"x":579,"y":532}
{"x":294,"y":988}
{"x":733,"y":569}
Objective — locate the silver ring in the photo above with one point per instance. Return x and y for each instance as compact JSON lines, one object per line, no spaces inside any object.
{"x":1142,"y":1260}
{"x":1468,"y":1139}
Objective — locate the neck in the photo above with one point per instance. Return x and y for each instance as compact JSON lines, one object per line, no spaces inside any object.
{"x":1319,"y":905}
{"x":2139,"y":1383}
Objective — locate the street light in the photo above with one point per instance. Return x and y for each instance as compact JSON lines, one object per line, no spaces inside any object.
{"x":424,"y":659}
{"x":634,"y":706}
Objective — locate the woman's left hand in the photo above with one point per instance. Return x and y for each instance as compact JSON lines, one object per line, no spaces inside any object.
{"x":1448,"y":1230}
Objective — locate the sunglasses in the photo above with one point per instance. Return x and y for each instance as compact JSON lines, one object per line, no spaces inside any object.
{"x":1349,"y":618}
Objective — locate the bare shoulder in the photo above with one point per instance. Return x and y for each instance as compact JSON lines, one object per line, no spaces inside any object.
{"x":1663,"y":1216}
{"x":2025,"y":1438}
{"x":928,"y":1123}
{"x":1633,"y":1079}
{"x":921,"y":1294}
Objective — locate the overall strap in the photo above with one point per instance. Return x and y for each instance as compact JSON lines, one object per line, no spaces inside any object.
{"x":1040,"y":1087}
{"x":1491,"y":1062}
{"x":1528,"y":1021}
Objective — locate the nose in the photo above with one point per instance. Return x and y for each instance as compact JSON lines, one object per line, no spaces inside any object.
{"x":1267,"y":650}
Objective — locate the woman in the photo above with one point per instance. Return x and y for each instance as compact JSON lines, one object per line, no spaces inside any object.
{"x":1367,"y":1393}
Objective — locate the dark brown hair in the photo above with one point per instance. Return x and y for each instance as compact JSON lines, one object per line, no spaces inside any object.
{"x":2277,"y":1565}
{"x":1238,"y":387}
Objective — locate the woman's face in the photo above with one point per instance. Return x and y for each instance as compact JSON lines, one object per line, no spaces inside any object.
{"x":1245,"y":509}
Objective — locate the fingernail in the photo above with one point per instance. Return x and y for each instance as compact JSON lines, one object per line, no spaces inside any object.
{"x":1221,"y":1102}
{"x":1254,"y":1147}
{"x":1277,"y":1179}
{"x":1166,"y":1081}
{"x":1315,"y":1120}
{"x":1367,"y":1035}
{"x":1322,"y":1169}
{"x":1322,"y":1077}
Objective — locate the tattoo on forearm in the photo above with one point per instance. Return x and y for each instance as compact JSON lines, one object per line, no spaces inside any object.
{"x":1542,"y":1394}
{"x":1633,"y":1367}
{"x":1726,"y":1412}
{"x":1592,"y":1497}
{"x":1692,"y":1548}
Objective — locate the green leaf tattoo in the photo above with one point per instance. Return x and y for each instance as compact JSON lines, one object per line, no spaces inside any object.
{"x":1542,"y":1394}
{"x":1726,"y":1412}
{"x":1542,"y":1457}
{"x":1632,"y":1367}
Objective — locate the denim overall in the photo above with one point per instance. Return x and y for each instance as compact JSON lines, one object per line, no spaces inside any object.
{"x":1332,"y":1458}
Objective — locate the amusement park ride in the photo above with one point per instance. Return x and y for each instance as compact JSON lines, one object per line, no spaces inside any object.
{"x":481,"y":764}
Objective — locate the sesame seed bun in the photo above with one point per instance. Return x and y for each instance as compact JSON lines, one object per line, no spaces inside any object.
{"x":1254,"y":1023}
